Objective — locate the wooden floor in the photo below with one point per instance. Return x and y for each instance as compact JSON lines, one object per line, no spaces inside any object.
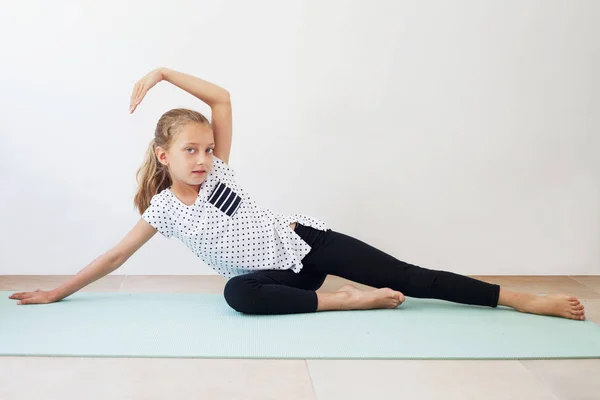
{"x":143,"y":378}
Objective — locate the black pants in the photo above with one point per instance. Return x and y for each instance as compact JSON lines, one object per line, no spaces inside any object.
{"x":286,"y":292}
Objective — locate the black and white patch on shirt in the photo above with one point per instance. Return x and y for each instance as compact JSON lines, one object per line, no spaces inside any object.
{"x":225,"y":199}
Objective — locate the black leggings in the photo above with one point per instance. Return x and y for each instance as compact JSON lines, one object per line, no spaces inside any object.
{"x":287,"y":292}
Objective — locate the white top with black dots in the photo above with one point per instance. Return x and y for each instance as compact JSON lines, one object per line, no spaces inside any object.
{"x":227,"y":230}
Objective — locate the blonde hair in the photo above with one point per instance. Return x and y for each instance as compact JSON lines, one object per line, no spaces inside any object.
{"x":152,"y":176}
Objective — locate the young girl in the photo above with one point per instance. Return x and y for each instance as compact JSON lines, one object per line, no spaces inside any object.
{"x":274,"y":263}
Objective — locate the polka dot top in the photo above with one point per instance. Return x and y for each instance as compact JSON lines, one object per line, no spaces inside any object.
{"x":227,"y":230}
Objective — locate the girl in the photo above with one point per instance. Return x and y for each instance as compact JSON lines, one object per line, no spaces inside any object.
{"x":274,"y":263}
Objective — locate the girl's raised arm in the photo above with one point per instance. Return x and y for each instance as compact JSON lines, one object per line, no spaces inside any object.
{"x":213,"y":95}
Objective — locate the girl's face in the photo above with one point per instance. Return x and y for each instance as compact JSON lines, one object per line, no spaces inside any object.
{"x":191,"y":150}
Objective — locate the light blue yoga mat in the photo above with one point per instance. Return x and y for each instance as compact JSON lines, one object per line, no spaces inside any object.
{"x":203,"y":325}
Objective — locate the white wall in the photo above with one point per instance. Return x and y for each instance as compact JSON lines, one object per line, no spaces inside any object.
{"x":455,"y":135}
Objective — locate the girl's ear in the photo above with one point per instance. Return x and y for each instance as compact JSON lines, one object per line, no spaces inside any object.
{"x":162,"y":156}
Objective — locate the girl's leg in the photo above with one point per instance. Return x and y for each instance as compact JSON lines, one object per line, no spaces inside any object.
{"x":342,"y":255}
{"x":274,"y":292}
{"x":347,"y":257}
{"x":285,"y":292}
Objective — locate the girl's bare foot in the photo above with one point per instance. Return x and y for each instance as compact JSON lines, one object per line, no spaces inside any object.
{"x":356,"y":299}
{"x":558,"y":305}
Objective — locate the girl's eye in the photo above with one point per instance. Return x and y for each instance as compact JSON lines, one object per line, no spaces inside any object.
{"x":210,"y":149}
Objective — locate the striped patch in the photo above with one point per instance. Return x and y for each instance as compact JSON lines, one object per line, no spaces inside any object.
{"x":225,"y":199}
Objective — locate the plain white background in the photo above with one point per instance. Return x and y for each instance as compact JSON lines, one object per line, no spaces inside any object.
{"x":454,"y":135}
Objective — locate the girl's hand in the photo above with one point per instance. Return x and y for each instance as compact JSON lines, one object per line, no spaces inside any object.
{"x":142,"y":86}
{"x":37,"y":297}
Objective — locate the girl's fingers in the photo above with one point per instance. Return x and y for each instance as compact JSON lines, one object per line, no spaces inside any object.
{"x":134,"y":92}
{"x":139,"y":91}
{"x":136,"y":96}
{"x":138,"y":99}
{"x":134,"y":104}
{"x":140,"y":95}
{"x":28,"y":299}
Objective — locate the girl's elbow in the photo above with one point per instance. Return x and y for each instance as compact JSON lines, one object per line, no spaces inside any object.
{"x":225,"y":97}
